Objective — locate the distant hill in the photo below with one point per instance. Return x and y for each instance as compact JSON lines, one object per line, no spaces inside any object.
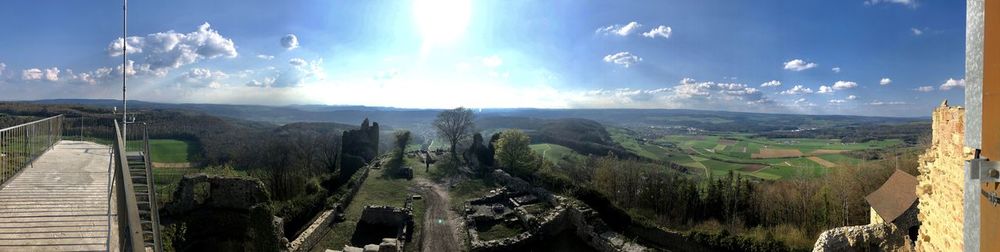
{"x":420,"y":119}
{"x":582,"y":135}
{"x":320,"y":128}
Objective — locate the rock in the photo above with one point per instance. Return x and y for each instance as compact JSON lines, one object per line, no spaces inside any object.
{"x":872,"y":237}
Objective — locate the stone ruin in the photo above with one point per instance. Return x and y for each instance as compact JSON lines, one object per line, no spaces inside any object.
{"x":541,"y":215}
{"x":359,"y":147}
{"x":893,"y":225}
{"x":479,"y":156}
{"x":939,"y":190}
{"x":383,"y":229}
{"x":223,"y":213}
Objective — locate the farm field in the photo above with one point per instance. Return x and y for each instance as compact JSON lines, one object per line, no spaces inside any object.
{"x":555,"y":153}
{"x":770,"y":159}
{"x":169,"y":150}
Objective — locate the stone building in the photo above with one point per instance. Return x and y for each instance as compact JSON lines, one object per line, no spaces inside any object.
{"x":896,"y":203}
{"x":358,"y":147}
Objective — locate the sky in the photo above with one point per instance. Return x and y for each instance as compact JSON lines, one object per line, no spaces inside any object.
{"x":854,"y":57}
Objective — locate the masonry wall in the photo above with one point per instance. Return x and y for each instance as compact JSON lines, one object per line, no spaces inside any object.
{"x":940,"y":184}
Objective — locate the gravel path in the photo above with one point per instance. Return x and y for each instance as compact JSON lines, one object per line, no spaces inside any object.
{"x":442,"y":227}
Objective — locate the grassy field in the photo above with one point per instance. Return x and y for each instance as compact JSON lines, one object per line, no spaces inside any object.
{"x":169,"y":150}
{"x":557,"y":154}
{"x":746,"y":155}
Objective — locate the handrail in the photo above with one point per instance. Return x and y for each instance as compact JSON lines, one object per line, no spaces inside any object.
{"x":151,"y":188}
{"x":129,"y":225}
{"x":20,"y":145}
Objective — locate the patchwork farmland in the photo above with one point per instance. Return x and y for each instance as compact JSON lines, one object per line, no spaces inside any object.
{"x":717,"y":155}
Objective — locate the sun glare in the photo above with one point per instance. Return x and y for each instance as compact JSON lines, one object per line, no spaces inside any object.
{"x":441,"y":21}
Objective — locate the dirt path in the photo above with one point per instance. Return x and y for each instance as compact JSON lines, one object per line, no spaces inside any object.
{"x":442,"y":228}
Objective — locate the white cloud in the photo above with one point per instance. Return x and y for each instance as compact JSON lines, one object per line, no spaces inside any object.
{"x":924,"y":89}
{"x":622,"y":58}
{"x":660,"y":31}
{"x":841,"y":85}
{"x":952,"y":83}
{"x":205,"y":77}
{"x":917,"y":32}
{"x":290,"y":41}
{"x":387,"y":74}
{"x":772,"y":83}
{"x":51,"y":74}
{"x":266,"y":82}
{"x":879,"y":103}
{"x":2,"y":68}
{"x":836,"y":101}
{"x":619,"y":30}
{"x":835,"y":69}
{"x":852,"y":97}
{"x":802,"y":102}
{"x":31,"y":74}
{"x":799,"y":65}
{"x":686,"y":94}
{"x":170,"y":49}
{"x":298,"y":73}
{"x":798,"y":90}
{"x":885,"y":81}
{"x":265,"y":56}
{"x":823,"y":89}
{"x":908,"y":3}
{"x":297,"y":62}
{"x":492,"y":61}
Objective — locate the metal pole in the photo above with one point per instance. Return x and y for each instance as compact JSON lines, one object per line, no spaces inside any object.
{"x":124,"y":67}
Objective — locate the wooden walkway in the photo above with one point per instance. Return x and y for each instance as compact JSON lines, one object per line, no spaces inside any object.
{"x":60,"y":203}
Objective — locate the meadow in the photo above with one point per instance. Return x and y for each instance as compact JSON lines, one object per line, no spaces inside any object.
{"x":718,"y":154}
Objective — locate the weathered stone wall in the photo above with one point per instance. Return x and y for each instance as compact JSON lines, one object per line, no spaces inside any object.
{"x":940,"y":184}
{"x":359,"y":147}
{"x":314,"y":232}
{"x":876,"y":236}
{"x":386,"y":215}
{"x":518,"y":185}
{"x":216,"y":213}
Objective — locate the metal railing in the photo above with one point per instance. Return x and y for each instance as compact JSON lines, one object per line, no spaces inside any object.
{"x":129,"y":225}
{"x":151,"y":190}
{"x":20,"y":145}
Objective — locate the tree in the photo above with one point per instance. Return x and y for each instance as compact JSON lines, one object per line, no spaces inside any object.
{"x":455,"y":125}
{"x":513,"y":152}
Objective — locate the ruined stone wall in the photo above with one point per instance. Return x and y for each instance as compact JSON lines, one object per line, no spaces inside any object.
{"x":940,"y":184}
{"x":314,"y":232}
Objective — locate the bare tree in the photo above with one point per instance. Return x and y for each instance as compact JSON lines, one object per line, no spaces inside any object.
{"x":455,"y":125}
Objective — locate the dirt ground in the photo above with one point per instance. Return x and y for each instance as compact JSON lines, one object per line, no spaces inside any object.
{"x":753,"y":167}
{"x":777,"y":153}
{"x":442,"y":229}
{"x":822,"y":162}
{"x":825,"y":151}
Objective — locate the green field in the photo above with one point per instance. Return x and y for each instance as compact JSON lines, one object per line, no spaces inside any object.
{"x":557,"y":154}
{"x":723,"y":153}
{"x":169,"y":150}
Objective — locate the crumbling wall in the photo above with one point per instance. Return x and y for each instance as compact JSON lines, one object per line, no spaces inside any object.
{"x":315,"y":231}
{"x":217,"y":213}
{"x":940,"y":184}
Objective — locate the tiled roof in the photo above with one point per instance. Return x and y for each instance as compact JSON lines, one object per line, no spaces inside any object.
{"x":895,"y":196}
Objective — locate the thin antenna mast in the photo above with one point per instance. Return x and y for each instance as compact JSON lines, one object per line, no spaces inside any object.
{"x":124,"y":65}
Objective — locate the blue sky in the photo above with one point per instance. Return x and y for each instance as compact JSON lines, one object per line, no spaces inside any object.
{"x":863,"y":57}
